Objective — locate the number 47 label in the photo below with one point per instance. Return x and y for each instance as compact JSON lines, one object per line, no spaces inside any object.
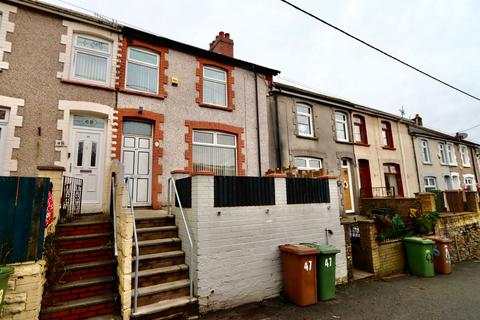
{"x":308,"y":265}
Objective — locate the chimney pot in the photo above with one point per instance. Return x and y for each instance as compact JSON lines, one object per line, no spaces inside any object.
{"x":418,"y":120}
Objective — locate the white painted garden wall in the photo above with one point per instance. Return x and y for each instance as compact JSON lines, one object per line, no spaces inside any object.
{"x":236,"y":258}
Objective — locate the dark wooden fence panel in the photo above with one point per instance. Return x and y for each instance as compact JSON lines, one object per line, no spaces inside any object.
{"x":304,"y":190}
{"x":455,"y":200}
{"x":243,"y":191}
{"x":184,"y":188}
{"x":23,"y":205}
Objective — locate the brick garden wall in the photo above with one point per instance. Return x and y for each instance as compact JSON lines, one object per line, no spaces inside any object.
{"x":391,"y":255}
{"x":237,"y":259}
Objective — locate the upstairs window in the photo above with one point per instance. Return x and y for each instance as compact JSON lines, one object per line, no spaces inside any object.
{"x":91,"y":59}
{"x":304,"y":120}
{"x":442,"y":153}
{"x":451,"y":156}
{"x":214,"y":86}
{"x":359,"y":130}
{"x":215,"y":152}
{"x":341,"y":126}
{"x":387,"y":138}
{"x":465,"y":156}
{"x":142,"y":70}
{"x":304,"y":163}
{"x":425,"y":151}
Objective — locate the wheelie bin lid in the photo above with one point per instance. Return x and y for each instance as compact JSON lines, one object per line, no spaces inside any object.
{"x":323,"y":248}
{"x":438,"y":239}
{"x":298,"y":249}
{"x":418,"y":240}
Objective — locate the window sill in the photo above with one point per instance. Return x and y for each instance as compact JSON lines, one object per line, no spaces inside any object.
{"x":362,"y":144}
{"x":213,"y":106}
{"x":144,"y":94}
{"x":344,"y":142}
{"x":87,"y":84}
{"x":388,"y":148}
{"x":427,"y":163}
{"x":306,"y":137}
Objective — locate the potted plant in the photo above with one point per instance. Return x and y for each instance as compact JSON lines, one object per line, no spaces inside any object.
{"x":5,"y":272}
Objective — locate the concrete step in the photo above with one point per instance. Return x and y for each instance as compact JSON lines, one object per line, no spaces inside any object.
{"x":153,"y":218}
{"x":181,"y":307}
{"x":80,"y":308}
{"x":83,"y":240}
{"x":92,"y":269}
{"x":82,"y":255}
{"x":154,"y":276}
{"x":158,"y":245}
{"x":158,"y":260}
{"x":157,"y":232}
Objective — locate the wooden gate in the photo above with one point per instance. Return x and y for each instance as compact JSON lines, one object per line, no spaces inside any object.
{"x":23,"y":206}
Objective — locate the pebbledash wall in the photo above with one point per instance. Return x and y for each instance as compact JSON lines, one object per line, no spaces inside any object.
{"x":236,"y":258}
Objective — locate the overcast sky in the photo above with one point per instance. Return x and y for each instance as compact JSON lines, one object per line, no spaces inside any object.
{"x":440,"y":37}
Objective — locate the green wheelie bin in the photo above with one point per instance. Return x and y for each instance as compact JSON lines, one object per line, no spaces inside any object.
{"x":325,"y":270}
{"x":420,"y":256}
{"x":5,"y":273}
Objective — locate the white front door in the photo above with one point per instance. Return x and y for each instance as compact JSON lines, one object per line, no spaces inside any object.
{"x":86,"y":159}
{"x":137,"y":160}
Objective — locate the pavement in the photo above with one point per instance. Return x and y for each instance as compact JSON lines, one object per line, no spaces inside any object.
{"x":454,"y":296}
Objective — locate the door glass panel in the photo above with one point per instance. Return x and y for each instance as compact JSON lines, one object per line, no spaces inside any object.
{"x":129,"y":142}
{"x":137,"y":128}
{"x":93,"y":155}
{"x":144,"y":143}
{"x":86,"y":121}
{"x":80,"y":154}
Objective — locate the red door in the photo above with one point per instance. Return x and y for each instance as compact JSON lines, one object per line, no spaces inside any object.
{"x":365,"y":180}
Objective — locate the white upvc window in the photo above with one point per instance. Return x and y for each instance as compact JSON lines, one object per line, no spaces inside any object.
{"x":430,"y":182}
{"x":214,"y":151}
{"x":341,"y":126}
{"x":304,"y":120}
{"x":465,"y":156}
{"x":305,"y":163}
{"x":451,"y":156}
{"x":425,"y":151}
{"x":91,"y":59}
{"x":142,"y":70}
{"x":469,"y":182}
{"x":455,"y":180}
{"x":442,"y":153}
{"x":4,"y":114}
{"x":214,"y":86}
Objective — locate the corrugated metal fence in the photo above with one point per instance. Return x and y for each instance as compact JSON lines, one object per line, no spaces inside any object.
{"x":23,"y":205}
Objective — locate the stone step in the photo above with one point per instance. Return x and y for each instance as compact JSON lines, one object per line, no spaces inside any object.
{"x":163,"y":291}
{"x":157,"y":232}
{"x":158,"y":245}
{"x":158,"y":260}
{"x":73,"y":290}
{"x":95,"y":224}
{"x":153,"y":218}
{"x":154,"y":276}
{"x":80,"y":308}
{"x":181,"y":307}
{"x":82,"y":255}
{"x":92,"y":269}
{"x":83,"y":240}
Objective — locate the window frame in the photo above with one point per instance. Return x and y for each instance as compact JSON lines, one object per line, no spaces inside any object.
{"x":428,"y":185}
{"x":465,"y":156}
{"x":307,"y":161}
{"x":310,"y":119}
{"x":205,"y":78}
{"x":473,"y":184}
{"x":127,"y":60}
{"x":442,"y":153}
{"x":97,"y":53}
{"x":388,"y":135}
{"x":425,"y":150}
{"x":344,"y":124}
{"x":362,"y":127}
{"x":451,"y":154}
{"x":215,"y":144}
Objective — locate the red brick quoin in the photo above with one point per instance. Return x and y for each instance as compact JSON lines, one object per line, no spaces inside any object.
{"x":230,"y":80}
{"x":214,"y":126}
{"x":162,"y":77}
{"x":157,"y":169}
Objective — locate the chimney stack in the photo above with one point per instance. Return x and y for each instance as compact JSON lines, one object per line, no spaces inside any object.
{"x":418,"y":120}
{"x":222,"y":44}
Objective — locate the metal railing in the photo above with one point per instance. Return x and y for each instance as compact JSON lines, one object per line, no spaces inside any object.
{"x":378,"y":192}
{"x":171,"y":182}
{"x":113,"y":204}
{"x":135,"y":240}
{"x":71,"y":201}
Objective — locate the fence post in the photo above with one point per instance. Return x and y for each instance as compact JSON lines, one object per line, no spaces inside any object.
{"x":427,"y":199}
{"x":472,"y":201}
{"x":280,"y":188}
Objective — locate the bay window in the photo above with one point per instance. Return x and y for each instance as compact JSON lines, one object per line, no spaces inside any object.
{"x":142,"y":70}
{"x":215,"y":152}
{"x":91,"y":59}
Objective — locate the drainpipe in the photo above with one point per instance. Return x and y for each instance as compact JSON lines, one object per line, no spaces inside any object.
{"x":277,"y":128}
{"x":473,"y":163}
{"x":403,"y":156}
{"x":258,"y":125}
{"x":416,"y":164}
